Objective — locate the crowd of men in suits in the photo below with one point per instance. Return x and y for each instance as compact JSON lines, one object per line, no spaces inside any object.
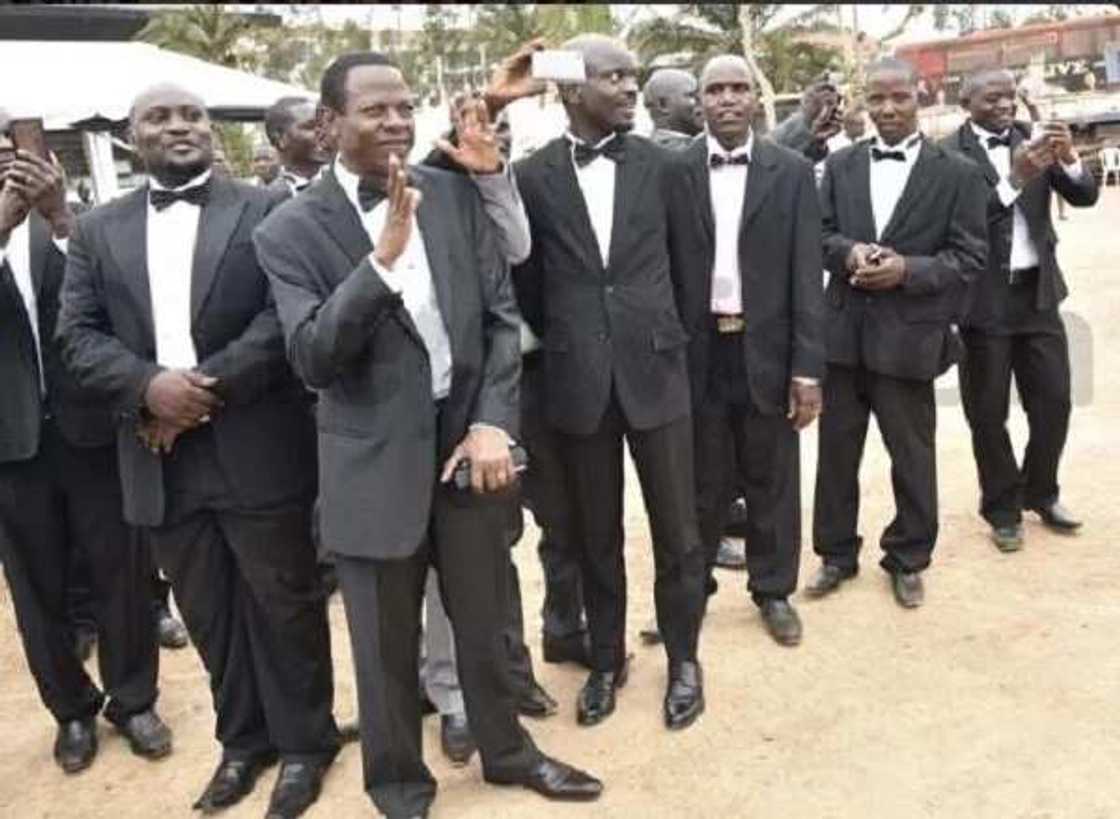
{"x":332,"y":379}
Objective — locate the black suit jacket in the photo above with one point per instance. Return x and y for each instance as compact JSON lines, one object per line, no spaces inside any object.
{"x":352,"y":339}
{"x":263,"y":433}
{"x":603,"y":327}
{"x":83,"y":420}
{"x":989,"y":295}
{"x":779,"y":262}
{"x":939,"y":226}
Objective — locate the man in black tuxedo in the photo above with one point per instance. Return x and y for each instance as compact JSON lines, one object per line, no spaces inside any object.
{"x":670,"y":98}
{"x":167,"y":316}
{"x":748,"y":281}
{"x":904,"y":234}
{"x":1012,"y":325}
{"x":291,"y":127}
{"x":59,"y":493}
{"x":808,"y":129}
{"x":597,"y":290}
{"x":400,"y":313}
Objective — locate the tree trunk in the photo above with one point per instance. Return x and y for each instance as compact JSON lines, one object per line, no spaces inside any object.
{"x":765,"y":87}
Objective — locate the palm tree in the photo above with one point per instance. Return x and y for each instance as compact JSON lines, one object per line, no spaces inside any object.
{"x":205,"y":31}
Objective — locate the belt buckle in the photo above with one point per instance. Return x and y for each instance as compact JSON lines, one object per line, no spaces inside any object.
{"x":730,"y":324}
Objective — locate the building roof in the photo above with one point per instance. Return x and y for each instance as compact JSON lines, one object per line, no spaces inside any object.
{"x":94,"y":83}
{"x":86,"y":22}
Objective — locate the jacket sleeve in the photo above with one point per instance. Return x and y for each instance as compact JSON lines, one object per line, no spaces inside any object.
{"x":250,"y":365}
{"x":836,"y":246}
{"x":1081,"y":191}
{"x":498,"y":401}
{"x":323,"y":332}
{"x":964,"y":253}
{"x":808,"y":282}
{"x":98,"y":360}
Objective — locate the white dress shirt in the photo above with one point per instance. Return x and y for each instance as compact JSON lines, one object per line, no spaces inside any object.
{"x":172,"y":234}
{"x":17,"y":253}
{"x":728,"y":185}
{"x":1024,"y":254}
{"x":411,"y":276}
{"x":596,"y":181}
{"x":889,"y":177}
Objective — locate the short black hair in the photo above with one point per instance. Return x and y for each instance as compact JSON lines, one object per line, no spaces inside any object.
{"x":978,"y":79}
{"x":279,"y":117}
{"x":893,"y":65}
{"x":332,"y":87}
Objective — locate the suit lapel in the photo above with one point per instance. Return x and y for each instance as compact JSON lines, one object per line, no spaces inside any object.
{"x":129,"y":247}
{"x":216,"y":226}
{"x":570,"y":205}
{"x":40,"y":238}
{"x":918,"y":184}
{"x":761,"y":174}
{"x":438,"y":250}
{"x":630,"y":173}
{"x":337,"y":216}
{"x":702,"y":187}
{"x":971,"y":147}
{"x":859,"y":177}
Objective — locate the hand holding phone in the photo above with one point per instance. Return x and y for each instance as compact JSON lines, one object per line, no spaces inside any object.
{"x":28,"y":135}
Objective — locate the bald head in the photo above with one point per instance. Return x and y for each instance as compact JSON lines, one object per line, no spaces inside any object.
{"x":725,"y":66}
{"x":670,"y":97}
{"x":892,"y":66}
{"x":597,"y":50}
{"x":978,"y":79}
{"x":172,"y":134}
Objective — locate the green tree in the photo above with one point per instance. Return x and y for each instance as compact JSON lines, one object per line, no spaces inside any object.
{"x":208,"y":32}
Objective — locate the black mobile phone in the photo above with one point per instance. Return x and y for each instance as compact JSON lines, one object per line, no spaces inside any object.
{"x":28,"y":135}
{"x":461,"y":478}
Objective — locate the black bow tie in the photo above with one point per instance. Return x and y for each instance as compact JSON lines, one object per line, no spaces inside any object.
{"x":878,"y":154}
{"x":585,"y":154}
{"x":196,"y":195}
{"x":719,"y":160}
{"x":369,"y":196}
{"x":995,"y":141}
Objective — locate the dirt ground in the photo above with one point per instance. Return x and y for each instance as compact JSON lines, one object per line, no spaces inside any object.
{"x":997,"y":699}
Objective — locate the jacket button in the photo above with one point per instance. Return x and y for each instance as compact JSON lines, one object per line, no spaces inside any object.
{"x":609,"y":289}
{"x":603,"y":336}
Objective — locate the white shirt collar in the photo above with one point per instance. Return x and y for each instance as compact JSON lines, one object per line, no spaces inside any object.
{"x":746,"y":149}
{"x":348,"y":181}
{"x":574,"y":140}
{"x":154,"y":184}
{"x":983,"y":133}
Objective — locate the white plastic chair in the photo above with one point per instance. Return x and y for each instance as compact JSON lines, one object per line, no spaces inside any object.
{"x":1110,"y":163}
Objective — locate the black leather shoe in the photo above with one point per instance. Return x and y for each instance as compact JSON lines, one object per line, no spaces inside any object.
{"x":455,"y":739}
{"x":1008,"y":538}
{"x":908,"y":589}
{"x":85,"y":638}
{"x":650,"y":635}
{"x":597,"y":697}
{"x":574,"y":648}
{"x":147,"y":735}
{"x":781,"y":621}
{"x":75,"y":746}
{"x":684,"y":697}
{"x":297,"y":787}
{"x":827,"y":580}
{"x":172,"y":633}
{"x":731,"y":554}
{"x":553,"y":779}
{"x":1057,"y":517}
{"x":535,"y":702}
{"x":232,"y":782}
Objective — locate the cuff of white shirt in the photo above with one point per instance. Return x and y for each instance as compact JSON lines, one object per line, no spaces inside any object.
{"x":804,"y":379}
{"x":1074,"y":169}
{"x":1007,"y":194}
{"x":484,"y":425}
{"x":504,"y":172}
{"x":62,"y":244}
{"x":389,"y":276}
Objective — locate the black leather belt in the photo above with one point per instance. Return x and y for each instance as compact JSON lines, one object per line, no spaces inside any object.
{"x":1026,"y":275}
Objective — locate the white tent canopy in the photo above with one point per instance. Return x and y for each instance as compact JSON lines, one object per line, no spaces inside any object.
{"x":68,"y":82}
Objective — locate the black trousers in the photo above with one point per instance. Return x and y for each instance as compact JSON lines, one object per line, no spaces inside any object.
{"x":544,"y":492}
{"x":905,"y":412}
{"x":741,"y":450}
{"x":65,"y":501}
{"x":466,"y":542}
{"x":1037,"y":353}
{"x":594,"y":471}
{"x":247,"y":585}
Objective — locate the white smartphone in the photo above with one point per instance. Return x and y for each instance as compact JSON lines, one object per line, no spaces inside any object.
{"x":559,"y":66}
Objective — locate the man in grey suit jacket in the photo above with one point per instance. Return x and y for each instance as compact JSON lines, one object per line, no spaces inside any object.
{"x":397,"y":307}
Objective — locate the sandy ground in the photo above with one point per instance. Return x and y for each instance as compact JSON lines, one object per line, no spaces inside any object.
{"x":997,"y":699}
